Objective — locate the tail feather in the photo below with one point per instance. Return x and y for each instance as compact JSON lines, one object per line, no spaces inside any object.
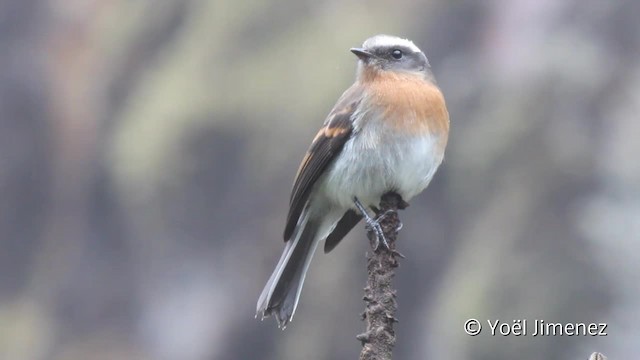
{"x":282,"y":292}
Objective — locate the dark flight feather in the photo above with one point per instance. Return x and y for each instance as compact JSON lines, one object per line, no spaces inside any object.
{"x":325,"y":147}
{"x":348,"y":221}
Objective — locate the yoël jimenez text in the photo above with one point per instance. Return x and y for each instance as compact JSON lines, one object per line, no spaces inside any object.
{"x":539,"y":327}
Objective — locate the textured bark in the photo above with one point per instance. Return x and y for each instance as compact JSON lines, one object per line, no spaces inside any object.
{"x":380,"y":297}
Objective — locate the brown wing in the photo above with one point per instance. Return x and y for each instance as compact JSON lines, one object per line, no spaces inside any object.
{"x":325,"y":147}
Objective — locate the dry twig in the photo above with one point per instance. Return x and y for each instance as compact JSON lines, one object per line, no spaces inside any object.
{"x":379,"y":295}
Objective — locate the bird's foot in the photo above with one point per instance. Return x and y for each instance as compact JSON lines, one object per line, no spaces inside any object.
{"x":379,"y":216}
{"x":374,"y":224}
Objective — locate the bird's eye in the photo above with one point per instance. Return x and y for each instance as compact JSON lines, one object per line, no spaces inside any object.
{"x":396,"y":54}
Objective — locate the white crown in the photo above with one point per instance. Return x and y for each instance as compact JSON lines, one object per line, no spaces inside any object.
{"x":389,"y":41}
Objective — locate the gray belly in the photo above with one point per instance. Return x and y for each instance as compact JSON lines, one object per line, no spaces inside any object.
{"x":370,"y":166}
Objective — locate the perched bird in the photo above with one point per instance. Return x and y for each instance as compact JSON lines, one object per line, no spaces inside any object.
{"x":387,"y":132}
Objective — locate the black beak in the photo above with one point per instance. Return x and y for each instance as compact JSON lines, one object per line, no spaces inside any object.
{"x":362,"y":54}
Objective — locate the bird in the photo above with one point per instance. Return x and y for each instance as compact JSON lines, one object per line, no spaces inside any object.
{"x":387,"y":133}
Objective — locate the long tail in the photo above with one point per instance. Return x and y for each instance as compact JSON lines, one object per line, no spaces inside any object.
{"x":280,"y":295}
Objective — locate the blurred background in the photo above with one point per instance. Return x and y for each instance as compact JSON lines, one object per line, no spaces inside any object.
{"x":147,"y":149}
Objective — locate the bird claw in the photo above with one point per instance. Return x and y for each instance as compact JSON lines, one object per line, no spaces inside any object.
{"x":391,"y":211}
{"x":398,"y":254}
{"x":373,"y":224}
{"x":382,"y":216}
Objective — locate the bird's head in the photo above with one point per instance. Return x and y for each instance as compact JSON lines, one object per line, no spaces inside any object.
{"x":385,"y":53}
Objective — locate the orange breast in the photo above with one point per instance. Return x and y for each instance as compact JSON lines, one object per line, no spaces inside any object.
{"x":412,"y":104}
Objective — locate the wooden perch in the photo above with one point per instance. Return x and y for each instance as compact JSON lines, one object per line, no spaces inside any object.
{"x":379,"y":295}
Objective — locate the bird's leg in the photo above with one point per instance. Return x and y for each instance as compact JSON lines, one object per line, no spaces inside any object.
{"x":374,"y":224}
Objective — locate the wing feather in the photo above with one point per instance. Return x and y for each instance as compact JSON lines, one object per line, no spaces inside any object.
{"x":346,"y":223}
{"x":327,"y":144}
